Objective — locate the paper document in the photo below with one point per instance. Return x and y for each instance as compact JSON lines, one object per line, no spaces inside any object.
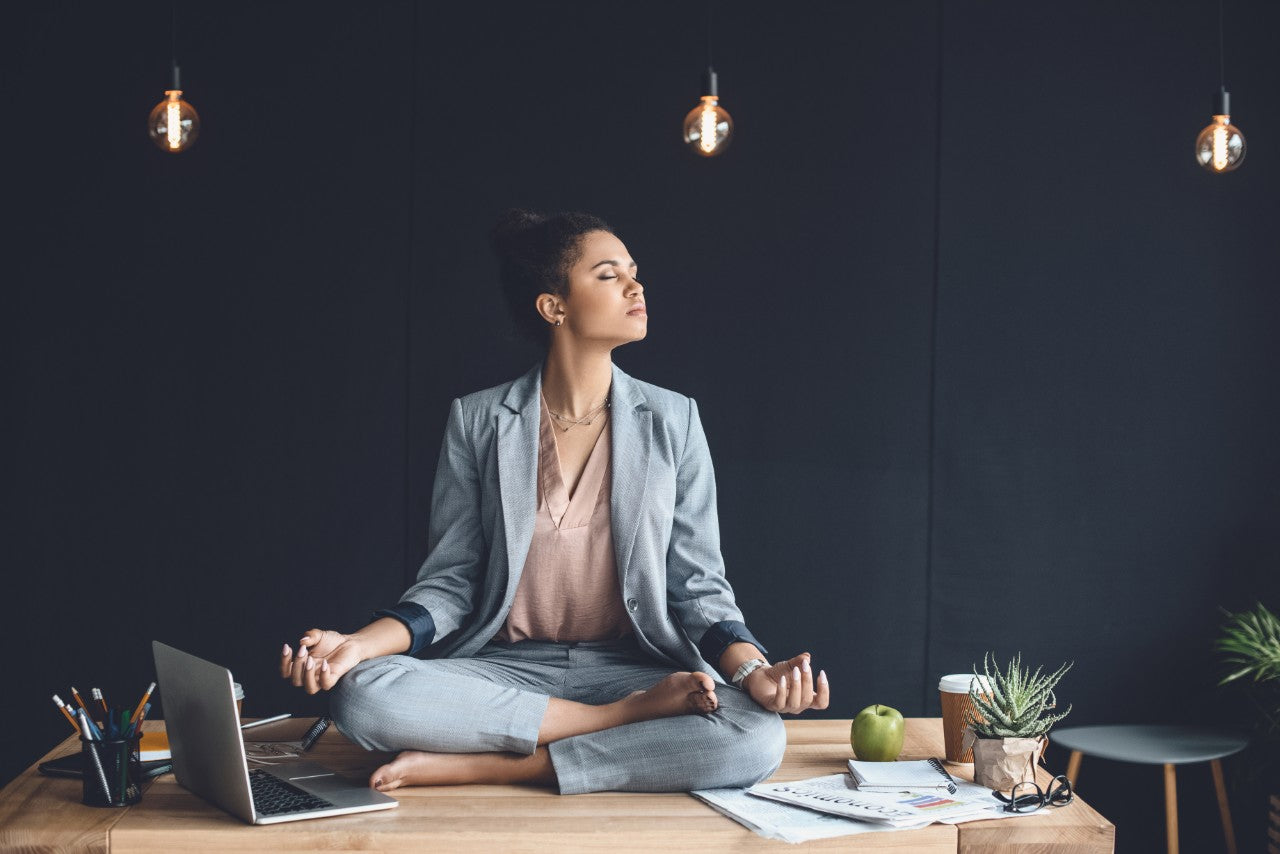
{"x":801,"y":810}
{"x":836,"y":794}
{"x":781,"y":821}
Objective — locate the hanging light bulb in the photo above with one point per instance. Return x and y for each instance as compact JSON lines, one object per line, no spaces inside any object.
{"x":1220,"y":146}
{"x":708,"y":127}
{"x":174,"y":124}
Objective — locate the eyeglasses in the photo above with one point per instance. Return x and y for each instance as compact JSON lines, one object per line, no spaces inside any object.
{"x":1029,"y":797}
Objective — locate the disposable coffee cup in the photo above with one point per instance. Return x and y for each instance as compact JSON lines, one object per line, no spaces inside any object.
{"x":239,"y":692}
{"x":954,"y":691}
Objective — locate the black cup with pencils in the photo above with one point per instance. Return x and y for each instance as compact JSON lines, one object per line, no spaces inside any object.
{"x":110,"y":743}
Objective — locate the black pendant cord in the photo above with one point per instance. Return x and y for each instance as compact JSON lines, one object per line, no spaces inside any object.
{"x":709,"y":63}
{"x":1222,"y":61}
{"x":173,"y":42}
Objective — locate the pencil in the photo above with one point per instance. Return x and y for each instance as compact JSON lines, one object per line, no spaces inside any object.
{"x":66,"y":713}
{"x":147,"y":696}
{"x":75,"y":695}
{"x":136,"y":726}
{"x":97,"y":695}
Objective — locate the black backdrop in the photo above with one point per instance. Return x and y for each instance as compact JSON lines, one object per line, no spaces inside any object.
{"x":983,"y":358}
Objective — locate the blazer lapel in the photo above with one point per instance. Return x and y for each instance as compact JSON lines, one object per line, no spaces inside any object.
{"x":632,"y":433}
{"x":517,"y":470}
{"x":517,"y":429}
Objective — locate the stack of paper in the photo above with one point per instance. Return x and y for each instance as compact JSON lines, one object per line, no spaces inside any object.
{"x":836,"y":794}
{"x":774,"y":820}
{"x":823,"y":807}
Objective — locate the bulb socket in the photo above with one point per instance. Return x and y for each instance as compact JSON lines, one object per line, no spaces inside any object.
{"x":177,"y":81}
{"x":1222,"y":102}
{"x":709,"y":83}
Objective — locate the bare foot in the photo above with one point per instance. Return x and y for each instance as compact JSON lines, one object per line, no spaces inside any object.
{"x":677,"y":694}
{"x":420,"y":768}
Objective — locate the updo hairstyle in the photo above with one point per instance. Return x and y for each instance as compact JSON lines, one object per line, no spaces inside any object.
{"x":535,"y":253}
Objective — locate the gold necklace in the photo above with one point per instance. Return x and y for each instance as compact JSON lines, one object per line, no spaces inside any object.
{"x":586,"y":419}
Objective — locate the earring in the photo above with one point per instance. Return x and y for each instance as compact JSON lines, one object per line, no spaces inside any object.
{"x":557,"y":323}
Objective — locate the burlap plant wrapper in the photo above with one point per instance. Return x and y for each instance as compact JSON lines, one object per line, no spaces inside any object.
{"x":1002,"y":763}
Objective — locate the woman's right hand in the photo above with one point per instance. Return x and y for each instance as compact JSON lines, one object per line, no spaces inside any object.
{"x":322,"y":657}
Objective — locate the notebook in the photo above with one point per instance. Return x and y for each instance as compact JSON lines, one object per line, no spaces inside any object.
{"x":209,"y":759}
{"x":896,"y":776}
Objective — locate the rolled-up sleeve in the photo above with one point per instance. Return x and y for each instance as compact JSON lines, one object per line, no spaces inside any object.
{"x":417,"y":619}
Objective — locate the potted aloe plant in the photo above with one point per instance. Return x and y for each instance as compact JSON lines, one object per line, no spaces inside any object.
{"x":1250,"y":647}
{"x":1010,"y":720}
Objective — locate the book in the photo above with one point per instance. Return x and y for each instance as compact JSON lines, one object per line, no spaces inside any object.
{"x":155,"y":745}
{"x":896,"y":776}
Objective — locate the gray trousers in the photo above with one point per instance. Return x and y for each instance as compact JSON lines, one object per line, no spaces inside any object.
{"x":495,"y":701}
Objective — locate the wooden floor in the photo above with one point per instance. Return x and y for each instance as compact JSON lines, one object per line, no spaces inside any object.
{"x":39,"y":813}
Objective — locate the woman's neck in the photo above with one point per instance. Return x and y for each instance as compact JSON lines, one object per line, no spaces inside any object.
{"x":576,"y":383}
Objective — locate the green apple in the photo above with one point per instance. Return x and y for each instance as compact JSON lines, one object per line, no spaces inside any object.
{"x":876,"y":734}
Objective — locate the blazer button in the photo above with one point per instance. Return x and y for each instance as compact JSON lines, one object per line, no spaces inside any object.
{"x":632,"y":605}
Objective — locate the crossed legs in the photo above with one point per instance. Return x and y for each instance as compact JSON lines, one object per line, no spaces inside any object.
{"x":490,"y":719}
{"x":677,"y":694}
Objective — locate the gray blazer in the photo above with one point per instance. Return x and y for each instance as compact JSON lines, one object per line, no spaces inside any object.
{"x":666,"y":532}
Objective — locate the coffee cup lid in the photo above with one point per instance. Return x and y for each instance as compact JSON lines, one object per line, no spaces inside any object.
{"x":959,"y":683}
{"x":238,"y":689}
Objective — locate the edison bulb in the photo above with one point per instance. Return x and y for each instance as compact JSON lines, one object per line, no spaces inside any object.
{"x":174,"y":124}
{"x":708,"y":127}
{"x":1220,"y":146}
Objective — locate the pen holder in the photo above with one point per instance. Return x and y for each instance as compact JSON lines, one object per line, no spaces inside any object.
{"x":112,"y":774}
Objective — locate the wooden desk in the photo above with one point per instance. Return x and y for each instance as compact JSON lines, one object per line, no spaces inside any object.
{"x":39,"y":813}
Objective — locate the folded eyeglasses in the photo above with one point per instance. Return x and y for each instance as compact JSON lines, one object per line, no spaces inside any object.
{"x":1027,"y":796}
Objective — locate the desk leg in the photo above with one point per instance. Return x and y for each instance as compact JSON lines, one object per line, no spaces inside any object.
{"x":1224,"y":808}
{"x":1073,"y":768}
{"x":1171,"y":809}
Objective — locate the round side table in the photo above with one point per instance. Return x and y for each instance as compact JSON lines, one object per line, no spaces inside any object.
{"x":1153,"y":744}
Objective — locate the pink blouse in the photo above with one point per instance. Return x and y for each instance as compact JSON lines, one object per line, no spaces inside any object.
{"x":568,"y":590}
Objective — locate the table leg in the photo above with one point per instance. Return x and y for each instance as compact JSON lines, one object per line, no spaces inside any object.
{"x":1171,"y":809}
{"x":1228,"y":831}
{"x":1073,"y":768}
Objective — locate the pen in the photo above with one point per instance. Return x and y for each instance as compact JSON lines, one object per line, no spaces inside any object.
{"x":93,"y":754}
{"x":253,"y":724}
{"x":313,"y":734}
{"x":62,"y":707}
{"x":91,"y":730}
{"x":143,"y":701}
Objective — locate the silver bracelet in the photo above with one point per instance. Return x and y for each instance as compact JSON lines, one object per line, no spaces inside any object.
{"x":746,"y":668}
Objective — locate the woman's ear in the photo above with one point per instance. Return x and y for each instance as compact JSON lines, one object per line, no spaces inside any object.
{"x":550,"y":308}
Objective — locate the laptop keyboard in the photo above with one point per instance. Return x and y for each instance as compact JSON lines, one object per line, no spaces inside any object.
{"x":273,"y":796}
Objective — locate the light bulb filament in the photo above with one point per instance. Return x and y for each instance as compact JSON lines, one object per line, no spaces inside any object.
{"x":173,"y":118}
{"x":707,"y":138}
{"x":1220,"y":136}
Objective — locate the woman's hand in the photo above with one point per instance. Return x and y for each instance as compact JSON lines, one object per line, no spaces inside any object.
{"x":789,"y":686}
{"x":323,"y":656}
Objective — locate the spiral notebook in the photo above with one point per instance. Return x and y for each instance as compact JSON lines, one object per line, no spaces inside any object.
{"x":896,"y":776}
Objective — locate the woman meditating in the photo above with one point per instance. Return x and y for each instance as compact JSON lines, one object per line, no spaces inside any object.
{"x":578,"y":629}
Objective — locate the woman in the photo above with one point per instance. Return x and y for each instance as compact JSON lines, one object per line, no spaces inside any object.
{"x":573,"y":601}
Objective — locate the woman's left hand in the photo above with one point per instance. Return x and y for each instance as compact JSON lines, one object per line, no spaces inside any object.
{"x":789,"y":686}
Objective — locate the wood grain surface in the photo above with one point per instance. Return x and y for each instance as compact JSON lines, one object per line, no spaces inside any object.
{"x":40,"y":813}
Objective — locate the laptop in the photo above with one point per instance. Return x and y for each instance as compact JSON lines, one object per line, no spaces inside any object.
{"x":209,"y":759}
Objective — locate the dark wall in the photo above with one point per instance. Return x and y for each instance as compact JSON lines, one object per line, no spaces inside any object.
{"x":982,"y":356}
